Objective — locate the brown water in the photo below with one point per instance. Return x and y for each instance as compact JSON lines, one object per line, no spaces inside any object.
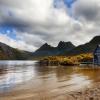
{"x":26,"y":80}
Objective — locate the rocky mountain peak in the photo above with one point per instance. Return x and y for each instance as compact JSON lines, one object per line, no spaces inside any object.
{"x":46,"y":46}
{"x":65,"y":45}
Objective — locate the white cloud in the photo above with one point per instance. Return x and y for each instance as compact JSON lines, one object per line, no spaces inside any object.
{"x":38,"y":21}
{"x":16,"y":43}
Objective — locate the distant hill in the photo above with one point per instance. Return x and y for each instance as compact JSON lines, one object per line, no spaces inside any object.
{"x":85,"y":48}
{"x":48,"y":50}
{"x":63,"y":49}
{"x":9,"y":53}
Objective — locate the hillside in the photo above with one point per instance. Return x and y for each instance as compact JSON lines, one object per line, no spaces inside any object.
{"x":7,"y":52}
{"x":85,"y":48}
{"x":62,"y":49}
{"x":67,"y":48}
{"x":48,"y":50}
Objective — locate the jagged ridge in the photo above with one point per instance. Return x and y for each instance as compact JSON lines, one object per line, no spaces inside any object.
{"x":47,"y":50}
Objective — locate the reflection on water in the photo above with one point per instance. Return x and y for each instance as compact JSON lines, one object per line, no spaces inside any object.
{"x":19,"y":75}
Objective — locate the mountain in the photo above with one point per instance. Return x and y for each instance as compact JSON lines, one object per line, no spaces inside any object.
{"x":95,"y":40}
{"x":63,"y":49}
{"x":7,"y":52}
{"x":46,"y":47}
{"x":48,"y":50}
{"x":85,"y":48}
{"x":65,"y":45}
{"x":67,"y":48}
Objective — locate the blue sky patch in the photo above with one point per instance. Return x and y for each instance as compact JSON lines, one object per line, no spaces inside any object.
{"x":9,"y":31}
{"x":69,"y":3}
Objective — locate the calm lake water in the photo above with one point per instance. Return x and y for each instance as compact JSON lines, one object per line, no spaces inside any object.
{"x":23,"y":79}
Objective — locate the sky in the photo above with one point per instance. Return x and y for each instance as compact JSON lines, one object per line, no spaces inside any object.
{"x":28,"y":24}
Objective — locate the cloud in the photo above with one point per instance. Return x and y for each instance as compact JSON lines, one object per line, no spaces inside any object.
{"x":40,"y":21}
{"x":87,"y":10}
{"x":88,"y":13}
{"x":16,"y":44}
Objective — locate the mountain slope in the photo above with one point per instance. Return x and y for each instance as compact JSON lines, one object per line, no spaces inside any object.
{"x":65,"y":45}
{"x":85,"y":48}
{"x":47,"y":50}
{"x":7,"y":52}
{"x":63,"y":49}
{"x":67,"y":48}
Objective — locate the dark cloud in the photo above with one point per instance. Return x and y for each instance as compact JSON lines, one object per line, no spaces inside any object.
{"x":88,"y":10}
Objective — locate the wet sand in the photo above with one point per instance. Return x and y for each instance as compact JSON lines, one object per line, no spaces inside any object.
{"x":92,"y":93}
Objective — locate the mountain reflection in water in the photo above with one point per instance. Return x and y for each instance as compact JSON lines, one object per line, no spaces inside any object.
{"x":29,"y":76}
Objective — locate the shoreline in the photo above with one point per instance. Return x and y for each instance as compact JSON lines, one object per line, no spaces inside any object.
{"x":92,"y":93}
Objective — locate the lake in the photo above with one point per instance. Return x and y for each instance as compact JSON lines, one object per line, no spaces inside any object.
{"x":27,"y":80}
